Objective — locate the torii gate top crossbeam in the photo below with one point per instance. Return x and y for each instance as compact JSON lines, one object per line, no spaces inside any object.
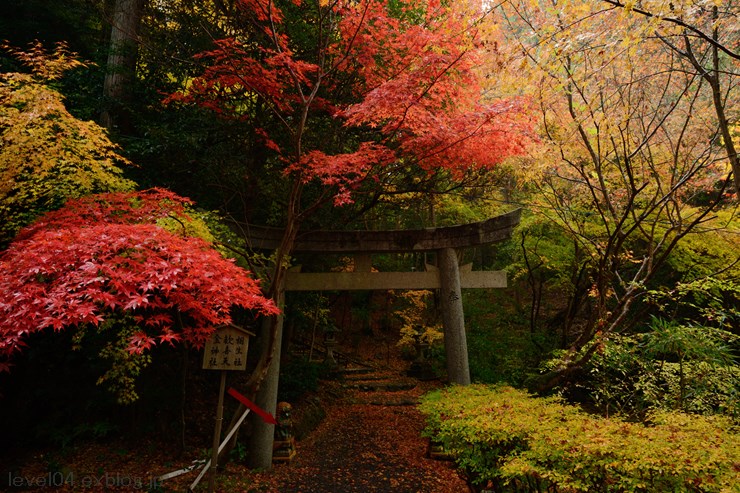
{"x":390,"y":241}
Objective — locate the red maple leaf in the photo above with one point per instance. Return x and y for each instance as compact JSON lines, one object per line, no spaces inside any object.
{"x":100,"y":264}
{"x":410,"y":69}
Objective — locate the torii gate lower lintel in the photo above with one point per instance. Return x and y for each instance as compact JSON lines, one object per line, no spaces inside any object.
{"x":448,"y":277}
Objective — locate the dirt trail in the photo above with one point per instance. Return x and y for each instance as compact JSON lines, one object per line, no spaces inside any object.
{"x":370,"y":442}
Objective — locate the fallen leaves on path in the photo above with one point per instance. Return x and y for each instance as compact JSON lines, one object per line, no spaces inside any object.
{"x":364,"y":448}
{"x":369,"y":442}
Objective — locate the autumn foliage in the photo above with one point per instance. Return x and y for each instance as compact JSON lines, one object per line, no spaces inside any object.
{"x":105,"y":254}
{"x":506,"y":440}
{"x":47,"y":155}
{"x":401,"y":77}
{"x":420,"y":85}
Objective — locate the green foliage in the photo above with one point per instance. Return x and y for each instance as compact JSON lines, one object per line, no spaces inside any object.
{"x":543,"y":251}
{"x":126,"y":366}
{"x":297,"y":377}
{"x":506,"y":439}
{"x":613,"y":379}
{"x":310,"y":311}
{"x":666,"y":339}
{"x":501,"y":347}
{"x":669,"y":367}
{"x":501,"y":354}
{"x":66,"y":435}
{"x":577,"y":294}
{"x":709,"y":301}
{"x":700,"y":284}
{"x":450,"y":210}
{"x":711,"y":251}
{"x":694,"y":387}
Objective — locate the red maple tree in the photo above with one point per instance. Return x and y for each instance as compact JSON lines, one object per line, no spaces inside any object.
{"x":104,"y":254}
{"x":404,"y":74}
{"x":344,"y":91}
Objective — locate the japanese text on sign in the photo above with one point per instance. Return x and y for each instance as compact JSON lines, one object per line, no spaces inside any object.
{"x":227,"y":349}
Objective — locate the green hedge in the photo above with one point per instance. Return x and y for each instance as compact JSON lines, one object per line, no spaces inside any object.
{"x":507,"y":440}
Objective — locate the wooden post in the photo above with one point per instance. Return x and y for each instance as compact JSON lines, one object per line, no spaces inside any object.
{"x":453,"y":318}
{"x":225,"y":350}
{"x":207,"y":465}
{"x":217,"y":432}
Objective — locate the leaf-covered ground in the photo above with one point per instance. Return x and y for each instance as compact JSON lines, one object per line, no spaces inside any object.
{"x":370,"y":441}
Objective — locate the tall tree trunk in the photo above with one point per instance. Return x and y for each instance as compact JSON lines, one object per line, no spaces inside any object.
{"x":262,"y":385}
{"x":121,"y":67}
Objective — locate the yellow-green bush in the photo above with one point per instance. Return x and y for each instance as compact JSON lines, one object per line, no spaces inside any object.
{"x":508,"y":440}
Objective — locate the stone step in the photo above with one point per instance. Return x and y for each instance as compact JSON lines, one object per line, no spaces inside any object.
{"x":357,"y":372}
{"x":365,"y":377}
{"x":404,"y":401}
{"x":381,"y":386}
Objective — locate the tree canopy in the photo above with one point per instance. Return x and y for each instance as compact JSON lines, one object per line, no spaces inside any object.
{"x":47,"y":155}
{"x":104,"y":254}
{"x":398,"y":78}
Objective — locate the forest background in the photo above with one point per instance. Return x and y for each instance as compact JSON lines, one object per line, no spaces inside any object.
{"x":613,"y":127}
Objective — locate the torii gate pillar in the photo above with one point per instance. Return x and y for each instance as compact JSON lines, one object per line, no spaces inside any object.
{"x":453,"y":317}
{"x":260,"y":456}
{"x":447,"y":280}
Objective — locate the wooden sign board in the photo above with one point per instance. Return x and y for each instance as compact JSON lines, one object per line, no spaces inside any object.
{"x":227,"y":349}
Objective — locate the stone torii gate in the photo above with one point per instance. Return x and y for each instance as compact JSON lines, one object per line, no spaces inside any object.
{"x":448,"y":277}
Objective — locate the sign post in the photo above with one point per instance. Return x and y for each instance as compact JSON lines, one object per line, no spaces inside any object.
{"x":226,"y":350}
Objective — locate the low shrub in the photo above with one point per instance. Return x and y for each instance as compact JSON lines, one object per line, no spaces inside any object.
{"x":507,"y":440}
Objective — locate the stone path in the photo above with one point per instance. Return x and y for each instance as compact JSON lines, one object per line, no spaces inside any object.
{"x":369,"y":442}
